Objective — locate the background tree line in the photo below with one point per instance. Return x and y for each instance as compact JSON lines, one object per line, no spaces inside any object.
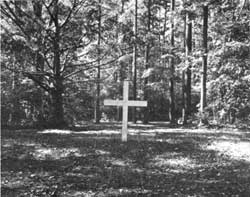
{"x":61,"y":58}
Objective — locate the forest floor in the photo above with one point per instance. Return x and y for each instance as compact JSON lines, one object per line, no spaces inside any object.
{"x":156,"y":161}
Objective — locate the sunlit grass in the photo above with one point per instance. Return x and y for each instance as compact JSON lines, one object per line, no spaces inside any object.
{"x":153,"y":161}
{"x":174,"y":162}
{"x":102,"y":152}
{"x":55,"y":131}
{"x":109,"y":192}
{"x":235,"y":150}
{"x":119,"y":162}
{"x":6,"y":143}
{"x":55,"y":153}
{"x":99,"y":132}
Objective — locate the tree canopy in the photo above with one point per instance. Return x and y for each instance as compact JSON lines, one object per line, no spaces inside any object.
{"x":53,"y":50}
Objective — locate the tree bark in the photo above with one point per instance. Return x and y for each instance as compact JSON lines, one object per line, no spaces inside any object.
{"x":14,"y":118}
{"x":188,"y":70}
{"x":184,"y":117}
{"x":147,"y":51}
{"x":57,"y":111}
{"x":37,"y":6}
{"x":203,"y":119}
{"x":172,"y":70}
{"x":135,"y":62}
{"x":15,"y":105}
{"x":97,"y":104}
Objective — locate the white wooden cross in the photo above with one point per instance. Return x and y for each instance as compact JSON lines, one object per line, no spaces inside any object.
{"x":125,"y":103}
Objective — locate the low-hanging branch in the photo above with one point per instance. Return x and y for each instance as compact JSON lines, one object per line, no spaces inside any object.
{"x":98,"y":59}
{"x":31,"y":75}
{"x":91,"y":67}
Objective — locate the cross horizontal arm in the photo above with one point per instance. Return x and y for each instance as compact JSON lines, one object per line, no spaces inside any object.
{"x":125,"y":103}
{"x":137,"y":103}
{"x":113,"y":102}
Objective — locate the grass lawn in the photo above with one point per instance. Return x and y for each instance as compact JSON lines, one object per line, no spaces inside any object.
{"x":156,"y":161}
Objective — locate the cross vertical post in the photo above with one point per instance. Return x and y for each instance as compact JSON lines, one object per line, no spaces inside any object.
{"x":125,"y":112}
{"x":125,"y":103}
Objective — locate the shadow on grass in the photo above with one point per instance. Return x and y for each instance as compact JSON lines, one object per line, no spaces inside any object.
{"x":156,"y":161}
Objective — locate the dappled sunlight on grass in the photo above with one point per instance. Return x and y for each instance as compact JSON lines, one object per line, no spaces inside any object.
{"x":94,"y":132}
{"x":6,"y":143}
{"x":170,"y":141}
{"x":99,"y":132}
{"x":174,"y":162}
{"x":24,"y":180}
{"x":119,"y":162}
{"x":102,"y":152}
{"x":160,"y":133}
{"x":157,"y":133}
{"x":154,"y":162}
{"x":55,"y":131}
{"x":235,"y":150}
{"x":77,"y":175}
{"x":142,"y":133}
{"x":55,"y":153}
{"x":229,"y":138}
{"x":108,"y":192}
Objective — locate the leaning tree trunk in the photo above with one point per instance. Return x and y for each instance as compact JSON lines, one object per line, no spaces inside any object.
{"x":203,"y":119}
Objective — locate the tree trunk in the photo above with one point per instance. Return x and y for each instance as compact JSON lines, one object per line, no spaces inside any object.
{"x":203,"y":119}
{"x":57,"y":112}
{"x":184,"y":117}
{"x":37,"y":6}
{"x":188,"y":70}
{"x":14,"y":118}
{"x":147,"y":51}
{"x":172,"y":71}
{"x":164,"y":36}
{"x":97,"y":104}
{"x":134,"y":62}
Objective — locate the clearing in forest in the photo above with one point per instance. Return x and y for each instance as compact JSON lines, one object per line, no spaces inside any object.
{"x":156,"y":161}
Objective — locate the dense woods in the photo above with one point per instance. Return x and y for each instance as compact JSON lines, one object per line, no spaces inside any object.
{"x":71,"y":68}
{"x":189,"y":59}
